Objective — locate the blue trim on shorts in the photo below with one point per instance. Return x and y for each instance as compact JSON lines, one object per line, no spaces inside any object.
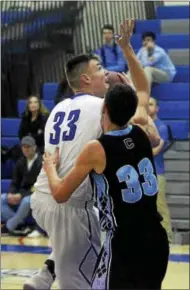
{"x":91,"y":246}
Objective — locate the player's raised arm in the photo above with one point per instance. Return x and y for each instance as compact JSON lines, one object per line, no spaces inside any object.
{"x":138,"y":76}
{"x":140,"y":82}
{"x":89,"y":159}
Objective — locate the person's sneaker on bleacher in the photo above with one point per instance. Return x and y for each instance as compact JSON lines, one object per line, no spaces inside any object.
{"x":34,"y":234}
{"x":24,"y":231}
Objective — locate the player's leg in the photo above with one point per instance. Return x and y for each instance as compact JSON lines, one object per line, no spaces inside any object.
{"x":100,"y":279}
{"x":159,"y":262}
{"x":112,"y":270}
{"x":151,"y":261}
{"x":75,"y":252}
{"x":46,"y":275}
{"x":121,"y":268}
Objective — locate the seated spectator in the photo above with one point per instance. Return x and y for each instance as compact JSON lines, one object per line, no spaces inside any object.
{"x":158,"y":153}
{"x":15,"y":205}
{"x":110,"y":53}
{"x":64,"y":91}
{"x":156,"y":62}
{"x":33,"y":121}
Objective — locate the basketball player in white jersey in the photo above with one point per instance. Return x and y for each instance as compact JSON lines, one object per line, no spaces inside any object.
{"x":73,"y":226}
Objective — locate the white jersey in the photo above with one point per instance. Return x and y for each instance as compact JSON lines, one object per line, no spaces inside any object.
{"x":70,"y":126}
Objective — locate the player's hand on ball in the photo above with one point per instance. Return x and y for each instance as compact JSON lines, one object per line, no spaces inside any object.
{"x":125,"y":80}
{"x":126,"y":30}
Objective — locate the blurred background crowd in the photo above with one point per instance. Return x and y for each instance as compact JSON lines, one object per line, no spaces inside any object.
{"x":37,"y":38}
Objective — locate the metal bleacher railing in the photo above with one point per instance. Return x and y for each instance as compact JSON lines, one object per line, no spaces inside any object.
{"x":37,"y":37}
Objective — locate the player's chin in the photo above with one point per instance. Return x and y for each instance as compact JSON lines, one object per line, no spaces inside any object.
{"x":101,"y":92}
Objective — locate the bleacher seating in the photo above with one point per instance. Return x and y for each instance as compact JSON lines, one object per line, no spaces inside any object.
{"x":173,"y":12}
{"x":5,"y":183}
{"x":174,"y":110}
{"x":9,"y":133}
{"x":49,"y":91}
{"x":166,"y":41}
{"x":7,"y":169}
{"x":10,"y":127}
{"x":182,"y":75}
{"x":9,"y":141}
{"x":144,"y":25}
{"x":171,"y":91}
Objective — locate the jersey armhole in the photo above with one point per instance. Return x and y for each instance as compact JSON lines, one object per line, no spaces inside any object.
{"x":104,"y":157}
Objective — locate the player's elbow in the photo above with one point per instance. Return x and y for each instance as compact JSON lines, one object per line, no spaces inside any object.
{"x":155,"y":140}
{"x":59,"y":197}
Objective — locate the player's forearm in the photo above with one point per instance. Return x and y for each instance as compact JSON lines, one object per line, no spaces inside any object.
{"x":156,"y":150}
{"x":53,"y":179}
{"x":153,"y":133}
{"x":137,"y":73}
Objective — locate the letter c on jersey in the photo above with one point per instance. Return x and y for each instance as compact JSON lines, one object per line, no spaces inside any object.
{"x":129,"y":143}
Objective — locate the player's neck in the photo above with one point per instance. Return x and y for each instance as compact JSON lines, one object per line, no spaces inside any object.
{"x":83,"y":91}
{"x":113,"y":127}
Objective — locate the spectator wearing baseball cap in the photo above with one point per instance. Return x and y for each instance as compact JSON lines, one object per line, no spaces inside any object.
{"x":15,"y":205}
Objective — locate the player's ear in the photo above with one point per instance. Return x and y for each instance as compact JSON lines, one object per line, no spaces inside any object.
{"x":85,"y":79}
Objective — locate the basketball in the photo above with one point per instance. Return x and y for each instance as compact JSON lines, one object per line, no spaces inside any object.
{"x":113,"y":78}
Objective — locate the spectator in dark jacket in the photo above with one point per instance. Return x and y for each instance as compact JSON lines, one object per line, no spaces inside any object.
{"x":110,"y":53}
{"x":33,"y":121}
{"x":15,"y":205}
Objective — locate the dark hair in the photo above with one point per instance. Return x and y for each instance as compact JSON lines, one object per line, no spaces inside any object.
{"x":64,"y":91}
{"x":121,"y":101}
{"x":108,"y":27}
{"x":149,"y":34}
{"x":76,"y":65}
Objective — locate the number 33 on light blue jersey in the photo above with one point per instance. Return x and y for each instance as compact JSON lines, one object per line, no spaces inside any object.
{"x":67,"y":135}
{"x":130,"y":176}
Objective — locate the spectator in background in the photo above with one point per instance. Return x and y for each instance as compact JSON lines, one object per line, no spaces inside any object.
{"x":158,"y":153}
{"x":156,"y":62}
{"x":33,"y":121}
{"x":110,"y":53}
{"x":64,"y":91}
{"x":15,"y":205}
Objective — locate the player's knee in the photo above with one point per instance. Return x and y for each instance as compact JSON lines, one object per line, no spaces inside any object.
{"x":148,"y":69}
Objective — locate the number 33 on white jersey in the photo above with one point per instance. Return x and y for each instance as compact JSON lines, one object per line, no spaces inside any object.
{"x":71,"y":125}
